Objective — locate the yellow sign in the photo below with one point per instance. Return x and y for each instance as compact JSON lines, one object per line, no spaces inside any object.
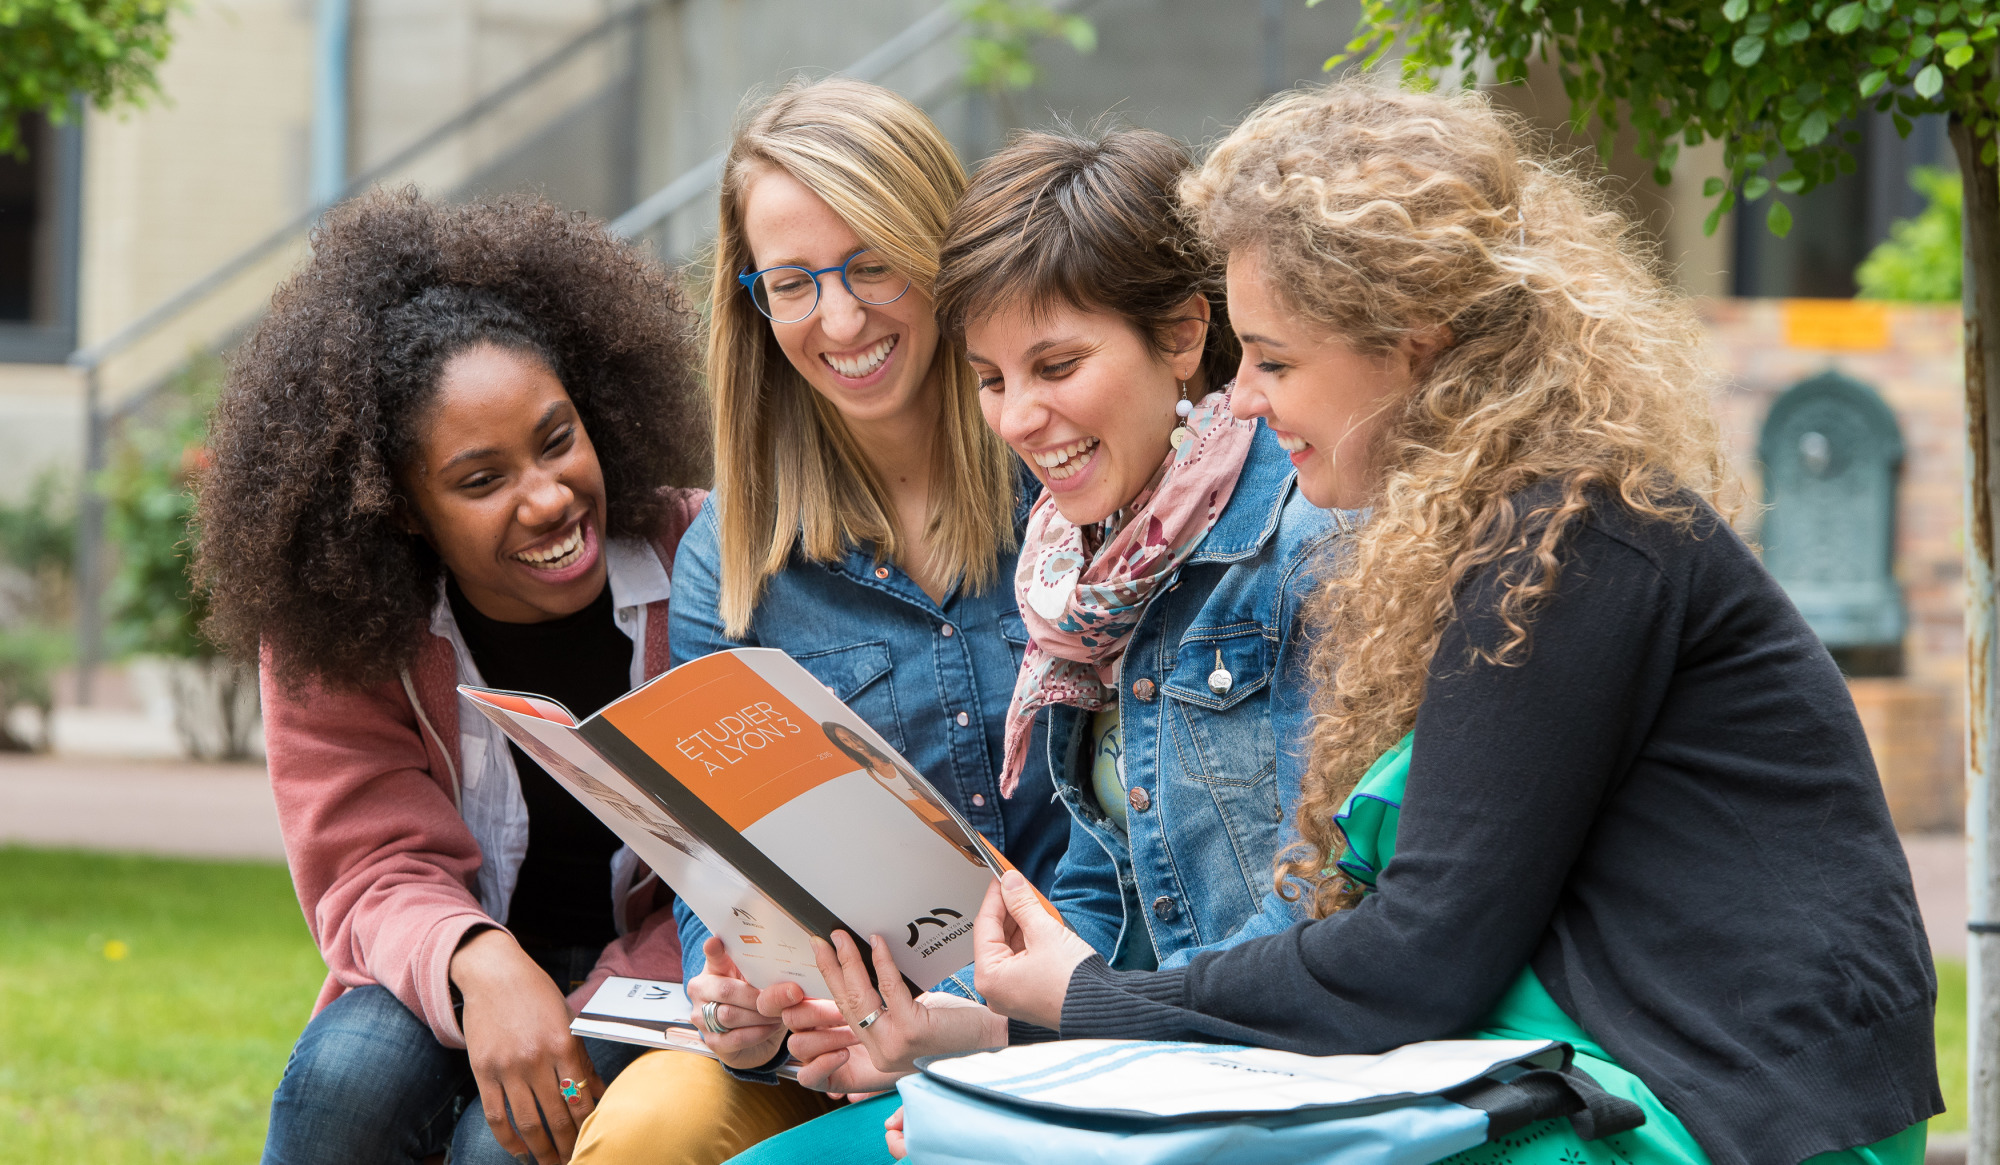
{"x":1851,"y":325}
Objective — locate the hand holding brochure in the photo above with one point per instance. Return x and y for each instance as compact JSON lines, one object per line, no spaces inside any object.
{"x":773,"y":811}
{"x":649,"y":1013}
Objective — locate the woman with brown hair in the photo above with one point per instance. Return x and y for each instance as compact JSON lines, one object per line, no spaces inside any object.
{"x":1580,"y":770}
{"x":865,"y":521}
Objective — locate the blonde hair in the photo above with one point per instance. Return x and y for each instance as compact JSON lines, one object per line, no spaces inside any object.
{"x":1379,"y":215}
{"x":787,"y":470}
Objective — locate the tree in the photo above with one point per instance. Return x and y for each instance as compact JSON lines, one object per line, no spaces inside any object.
{"x":1923,"y":257}
{"x":1781,"y":77}
{"x":105,"y":50}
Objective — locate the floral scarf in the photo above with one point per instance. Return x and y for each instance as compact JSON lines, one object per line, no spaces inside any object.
{"x":1082,"y":607}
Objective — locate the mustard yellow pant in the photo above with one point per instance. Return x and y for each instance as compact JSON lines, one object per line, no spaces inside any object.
{"x":681,"y":1108}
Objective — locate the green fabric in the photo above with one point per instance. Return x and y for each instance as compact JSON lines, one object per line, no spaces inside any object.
{"x":1107,"y":763}
{"x":1369,"y":818}
{"x":845,"y":1136}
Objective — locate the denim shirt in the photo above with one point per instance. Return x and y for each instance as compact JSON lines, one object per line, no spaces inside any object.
{"x":1212,"y":779}
{"x":933,"y":678}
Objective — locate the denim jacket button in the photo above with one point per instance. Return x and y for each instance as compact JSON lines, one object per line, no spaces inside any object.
{"x":945,"y":631}
{"x":1139,"y":800}
{"x":1143,"y":689}
{"x":1165,"y":908}
{"x":881,"y":572}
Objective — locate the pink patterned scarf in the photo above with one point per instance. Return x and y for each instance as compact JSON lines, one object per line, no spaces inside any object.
{"x":1082,"y":607}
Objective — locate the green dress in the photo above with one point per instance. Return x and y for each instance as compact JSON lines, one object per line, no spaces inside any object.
{"x":1527,"y":1012}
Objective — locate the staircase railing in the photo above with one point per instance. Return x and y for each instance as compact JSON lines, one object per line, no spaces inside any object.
{"x":701,"y":178}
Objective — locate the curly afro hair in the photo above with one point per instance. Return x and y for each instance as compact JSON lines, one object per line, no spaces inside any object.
{"x":301,"y":546}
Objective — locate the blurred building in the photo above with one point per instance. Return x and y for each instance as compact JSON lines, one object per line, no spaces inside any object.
{"x":135,"y":239}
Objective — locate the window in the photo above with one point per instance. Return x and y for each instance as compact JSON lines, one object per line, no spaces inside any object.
{"x":38,"y":244}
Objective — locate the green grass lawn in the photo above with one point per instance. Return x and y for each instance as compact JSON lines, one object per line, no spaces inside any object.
{"x":1951,"y":1045}
{"x":147,"y":1006}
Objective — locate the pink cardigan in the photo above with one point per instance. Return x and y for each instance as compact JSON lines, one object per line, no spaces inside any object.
{"x":384,"y":867}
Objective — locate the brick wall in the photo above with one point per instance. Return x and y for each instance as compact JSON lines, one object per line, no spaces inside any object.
{"x":1910,"y":355}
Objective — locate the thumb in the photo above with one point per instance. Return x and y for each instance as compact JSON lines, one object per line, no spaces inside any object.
{"x":1028,"y":909}
{"x":719,"y":962}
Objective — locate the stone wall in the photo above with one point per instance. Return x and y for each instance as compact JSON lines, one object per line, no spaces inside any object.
{"x":1909,"y":354}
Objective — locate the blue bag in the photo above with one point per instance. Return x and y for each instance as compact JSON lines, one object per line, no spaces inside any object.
{"x":1085,"y":1102}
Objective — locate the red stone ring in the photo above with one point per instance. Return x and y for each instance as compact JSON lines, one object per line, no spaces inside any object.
{"x":571,"y":1090}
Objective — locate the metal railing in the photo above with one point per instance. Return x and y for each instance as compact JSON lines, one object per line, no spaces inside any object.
{"x":701,"y":178}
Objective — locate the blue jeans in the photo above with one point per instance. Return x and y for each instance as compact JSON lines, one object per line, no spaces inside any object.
{"x":368,"y":1083}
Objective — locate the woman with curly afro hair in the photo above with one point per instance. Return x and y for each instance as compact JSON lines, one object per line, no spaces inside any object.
{"x":457,"y":451}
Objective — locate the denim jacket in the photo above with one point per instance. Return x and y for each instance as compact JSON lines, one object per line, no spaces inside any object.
{"x":933,"y":678}
{"x":1212,"y":779}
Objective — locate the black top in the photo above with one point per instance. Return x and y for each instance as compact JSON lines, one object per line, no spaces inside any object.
{"x":1669,"y":809}
{"x":562,"y":897}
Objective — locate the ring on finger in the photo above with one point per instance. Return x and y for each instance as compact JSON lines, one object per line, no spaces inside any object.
{"x":713,"y":1022}
{"x":571,"y":1090}
{"x":868,"y":1021}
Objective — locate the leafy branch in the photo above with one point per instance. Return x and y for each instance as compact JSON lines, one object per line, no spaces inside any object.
{"x":1765,"y":77}
{"x":108,"y":51}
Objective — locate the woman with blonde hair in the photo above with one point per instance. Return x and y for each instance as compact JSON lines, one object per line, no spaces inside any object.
{"x":865,"y":521}
{"x":1643,"y":818}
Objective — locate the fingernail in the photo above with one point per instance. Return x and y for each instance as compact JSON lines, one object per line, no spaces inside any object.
{"x":525,"y":1158}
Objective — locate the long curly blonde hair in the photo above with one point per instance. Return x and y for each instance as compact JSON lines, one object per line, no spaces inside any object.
{"x":1381,"y":214}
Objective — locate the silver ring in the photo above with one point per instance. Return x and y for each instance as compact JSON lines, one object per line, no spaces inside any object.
{"x":712,"y":1022}
{"x":868,"y":1021}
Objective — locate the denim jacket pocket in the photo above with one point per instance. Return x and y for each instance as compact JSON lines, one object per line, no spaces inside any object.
{"x":858,"y":676}
{"x":1239,"y":653}
{"x":1222,"y":740}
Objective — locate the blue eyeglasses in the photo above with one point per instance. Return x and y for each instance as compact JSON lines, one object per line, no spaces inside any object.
{"x":787,"y":295}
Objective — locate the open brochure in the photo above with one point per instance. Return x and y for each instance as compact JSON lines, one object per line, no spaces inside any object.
{"x":648,"y":1013}
{"x":773,"y":811}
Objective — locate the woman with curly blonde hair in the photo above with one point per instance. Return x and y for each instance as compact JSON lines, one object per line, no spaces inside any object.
{"x":1643,"y":818}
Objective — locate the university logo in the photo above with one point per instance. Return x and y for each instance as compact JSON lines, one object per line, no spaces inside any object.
{"x":935,"y":918}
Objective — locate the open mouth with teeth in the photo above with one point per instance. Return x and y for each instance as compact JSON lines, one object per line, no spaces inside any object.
{"x":863,"y":363}
{"x":1067,"y":461}
{"x":1291,"y":443}
{"x":560,"y":555}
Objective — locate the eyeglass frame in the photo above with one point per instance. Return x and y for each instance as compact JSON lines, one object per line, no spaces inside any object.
{"x":749,"y":280}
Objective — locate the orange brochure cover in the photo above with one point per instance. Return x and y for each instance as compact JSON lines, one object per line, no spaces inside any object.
{"x":772,"y":809}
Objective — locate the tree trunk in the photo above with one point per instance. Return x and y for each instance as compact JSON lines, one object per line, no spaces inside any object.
{"x":1982,"y":417}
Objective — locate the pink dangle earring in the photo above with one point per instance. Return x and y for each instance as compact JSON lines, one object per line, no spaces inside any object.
{"x":1182,"y":408}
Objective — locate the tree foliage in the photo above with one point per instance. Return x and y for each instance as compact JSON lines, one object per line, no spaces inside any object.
{"x":1765,"y":77}
{"x":105,"y":50}
{"x":999,"y":50}
{"x":1923,"y":259}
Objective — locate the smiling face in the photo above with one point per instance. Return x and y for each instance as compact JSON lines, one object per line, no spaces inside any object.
{"x":507,"y":488}
{"x":1325,"y":402}
{"x":871,"y":361}
{"x":1083,"y":398}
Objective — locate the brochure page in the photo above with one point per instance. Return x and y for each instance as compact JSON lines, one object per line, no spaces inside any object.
{"x":773,"y":810}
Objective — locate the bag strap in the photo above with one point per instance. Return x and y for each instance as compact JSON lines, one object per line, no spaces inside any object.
{"x":1541,"y":1094}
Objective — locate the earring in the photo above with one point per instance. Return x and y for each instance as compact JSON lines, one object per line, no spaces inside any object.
{"x":1182,"y":408}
